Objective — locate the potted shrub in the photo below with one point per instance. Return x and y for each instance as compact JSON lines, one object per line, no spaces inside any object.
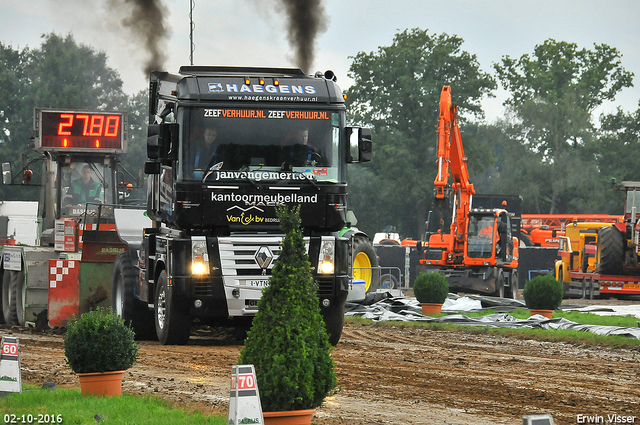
{"x":431,"y":289}
{"x":542,"y":295}
{"x":288,"y":343}
{"x":99,"y":347}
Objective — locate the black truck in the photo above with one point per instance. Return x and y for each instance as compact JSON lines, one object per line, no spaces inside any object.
{"x":225,"y":146}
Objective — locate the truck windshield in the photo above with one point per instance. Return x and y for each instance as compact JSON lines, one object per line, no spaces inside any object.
{"x":262,"y":142}
{"x":480,"y":240}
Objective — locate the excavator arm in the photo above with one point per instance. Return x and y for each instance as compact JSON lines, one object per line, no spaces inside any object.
{"x":452,"y":165}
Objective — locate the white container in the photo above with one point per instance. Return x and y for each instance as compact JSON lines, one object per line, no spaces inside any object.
{"x":356,"y":290}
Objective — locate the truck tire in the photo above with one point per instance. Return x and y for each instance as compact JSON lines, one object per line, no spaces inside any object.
{"x":389,"y":281}
{"x":365,"y":264}
{"x":334,"y":321}
{"x":499,"y":285}
{"x":1,"y":298}
{"x":9,"y":306}
{"x":172,"y":318}
{"x":134,"y":312}
{"x":21,"y":291}
{"x":565,"y":285}
{"x":512,"y":291}
{"x":611,"y":245}
{"x":584,"y":265}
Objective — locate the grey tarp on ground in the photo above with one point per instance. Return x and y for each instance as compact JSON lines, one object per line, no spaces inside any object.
{"x":408,"y":309}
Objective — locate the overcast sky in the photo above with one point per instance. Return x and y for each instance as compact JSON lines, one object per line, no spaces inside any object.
{"x":251,"y":32}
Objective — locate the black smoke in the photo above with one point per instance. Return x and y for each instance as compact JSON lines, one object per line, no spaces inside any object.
{"x":306,"y":20}
{"x":147,"y":22}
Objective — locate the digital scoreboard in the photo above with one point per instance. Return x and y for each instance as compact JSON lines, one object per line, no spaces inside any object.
{"x":80,"y":131}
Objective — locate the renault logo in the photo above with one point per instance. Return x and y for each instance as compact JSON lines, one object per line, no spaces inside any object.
{"x":263,"y":257}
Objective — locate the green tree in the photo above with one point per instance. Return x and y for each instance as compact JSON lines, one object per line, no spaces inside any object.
{"x":552,"y":96}
{"x":59,"y":74}
{"x":397,"y":92}
{"x":616,"y":151}
{"x":288,"y":342}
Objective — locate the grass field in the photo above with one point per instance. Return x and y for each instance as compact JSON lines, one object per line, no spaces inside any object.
{"x":69,"y":406}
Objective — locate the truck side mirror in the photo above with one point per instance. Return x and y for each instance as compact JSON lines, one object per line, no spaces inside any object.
{"x":6,"y":173}
{"x":360,"y":145}
{"x":153,"y":142}
{"x":365,"y":145}
{"x":162,"y":141}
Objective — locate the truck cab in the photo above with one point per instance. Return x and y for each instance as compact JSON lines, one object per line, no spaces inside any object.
{"x":225,"y":146}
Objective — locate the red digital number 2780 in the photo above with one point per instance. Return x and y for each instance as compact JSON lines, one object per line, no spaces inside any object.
{"x":93,"y":125}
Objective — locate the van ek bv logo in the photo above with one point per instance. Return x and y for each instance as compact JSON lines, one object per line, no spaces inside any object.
{"x":244,"y":219}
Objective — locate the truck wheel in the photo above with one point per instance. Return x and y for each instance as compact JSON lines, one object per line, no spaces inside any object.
{"x":21,"y":291}
{"x":565,"y":285}
{"x":585,"y":260}
{"x":513,"y":285}
{"x":499,"y":285}
{"x":173,"y":321}
{"x":611,"y":245}
{"x":9,"y":306}
{"x":388,"y":281}
{"x":133,"y":311}
{"x":1,"y":297}
{"x":334,"y":321}
{"x":365,"y":264}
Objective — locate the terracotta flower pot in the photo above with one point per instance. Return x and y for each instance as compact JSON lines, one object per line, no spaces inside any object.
{"x":101,"y":383}
{"x":546,"y":313}
{"x":431,"y":308}
{"x":289,"y":417}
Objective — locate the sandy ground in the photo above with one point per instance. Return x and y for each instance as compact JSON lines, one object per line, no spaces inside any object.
{"x":390,"y":375}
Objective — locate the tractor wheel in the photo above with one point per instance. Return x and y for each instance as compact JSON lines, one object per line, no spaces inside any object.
{"x":173,"y":321}
{"x":9,"y":305}
{"x":133,"y":311}
{"x":365,"y":264}
{"x":611,"y":245}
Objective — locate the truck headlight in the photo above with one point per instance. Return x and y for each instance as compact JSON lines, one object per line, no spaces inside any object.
{"x":199,"y":255}
{"x":326,"y":264}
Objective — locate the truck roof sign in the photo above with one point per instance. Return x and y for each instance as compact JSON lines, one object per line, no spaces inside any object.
{"x":269,"y":89}
{"x":80,"y":131}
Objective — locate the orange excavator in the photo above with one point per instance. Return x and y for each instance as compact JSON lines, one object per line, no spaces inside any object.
{"x":479,"y":254}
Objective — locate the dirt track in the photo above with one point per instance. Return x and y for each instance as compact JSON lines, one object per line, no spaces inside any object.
{"x":392,"y":376}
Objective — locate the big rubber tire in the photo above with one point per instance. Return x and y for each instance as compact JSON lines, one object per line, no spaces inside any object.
{"x":611,"y":245}
{"x":21,"y":293}
{"x":9,"y":306}
{"x":525,"y":239}
{"x":134,"y":312}
{"x":499,"y":285}
{"x":513,"y":285}
{"x":334,"y":321}
{"x":172,"y":318}
{"x":365,"y":264}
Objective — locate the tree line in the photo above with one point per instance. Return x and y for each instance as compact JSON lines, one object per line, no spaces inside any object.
{"x":548,"y":147}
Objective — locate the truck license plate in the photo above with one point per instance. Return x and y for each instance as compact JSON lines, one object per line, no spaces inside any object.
{"x":257,"y":283}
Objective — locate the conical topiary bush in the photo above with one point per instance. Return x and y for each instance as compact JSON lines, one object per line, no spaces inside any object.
{"x":288,"y":343}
